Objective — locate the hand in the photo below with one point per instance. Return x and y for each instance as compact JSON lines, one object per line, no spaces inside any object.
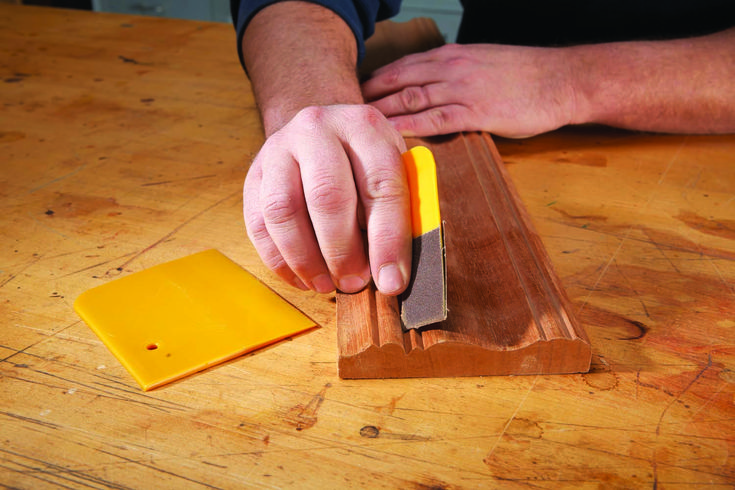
{"x":510,"y":91}
{"x":307,"y":187}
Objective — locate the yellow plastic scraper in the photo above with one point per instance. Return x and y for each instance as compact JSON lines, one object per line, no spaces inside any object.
{"x":180,"y":317}
{"x":425,"y":300}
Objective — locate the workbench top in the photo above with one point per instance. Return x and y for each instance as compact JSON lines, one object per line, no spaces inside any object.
{"x":124,"y":143}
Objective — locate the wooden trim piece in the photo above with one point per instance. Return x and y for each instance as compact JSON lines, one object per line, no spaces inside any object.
{"x":508,"y":313}
{"x":393,"y":40}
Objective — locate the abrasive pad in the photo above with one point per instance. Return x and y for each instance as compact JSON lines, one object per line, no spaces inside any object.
{"x":425,"y":300}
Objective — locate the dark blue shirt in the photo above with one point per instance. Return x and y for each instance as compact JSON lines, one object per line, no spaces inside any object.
{"x":537,"y":22}
{"x":360,"y":15}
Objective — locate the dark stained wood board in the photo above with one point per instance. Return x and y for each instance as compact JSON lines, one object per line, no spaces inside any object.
{"x":508,"y":313}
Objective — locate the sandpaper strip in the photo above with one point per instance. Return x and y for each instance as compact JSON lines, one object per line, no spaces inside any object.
{"x":425,"y":300}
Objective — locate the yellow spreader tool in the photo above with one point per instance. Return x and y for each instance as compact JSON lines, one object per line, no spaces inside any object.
{"x":183,"y":316}
{"x":425,"y":300}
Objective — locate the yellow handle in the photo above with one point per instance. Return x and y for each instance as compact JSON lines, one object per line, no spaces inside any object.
{"x":421,"y":172}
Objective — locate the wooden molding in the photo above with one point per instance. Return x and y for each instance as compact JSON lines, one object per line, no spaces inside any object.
{"x":508,"y":313}
{"x":393,"y":40}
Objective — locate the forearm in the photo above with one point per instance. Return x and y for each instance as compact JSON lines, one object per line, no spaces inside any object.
{"x":674,"y":86}
{"x":299,"y":54}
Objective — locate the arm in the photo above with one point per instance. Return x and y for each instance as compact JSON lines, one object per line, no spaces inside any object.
{"x":298,"y":55}
{"x":679,"y":86}
{"x":328,"y":159}
{"x":669,"y":86}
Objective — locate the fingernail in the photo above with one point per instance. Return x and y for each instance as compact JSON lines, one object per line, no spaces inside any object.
{"x":351,"y":284}
{"x":390,"y":279}
{"x":323,"y":283}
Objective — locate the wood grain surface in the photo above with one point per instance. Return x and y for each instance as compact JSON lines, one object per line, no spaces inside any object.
{"x":123,"y":144}
{"x":509,"y":314}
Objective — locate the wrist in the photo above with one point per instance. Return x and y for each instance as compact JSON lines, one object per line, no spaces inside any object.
{"x":278,"y":110}
{"x":582,"y":94}
{"x":299,"y":55}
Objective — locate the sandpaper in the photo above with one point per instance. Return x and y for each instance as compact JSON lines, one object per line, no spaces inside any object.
{"x":425,"y":300}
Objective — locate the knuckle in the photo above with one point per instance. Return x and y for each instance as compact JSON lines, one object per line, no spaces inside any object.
{"x":384,"y":185}
{"x":337,"y":256}
{"x":261,"y":239}
{"x":450,"y":48}
{"x":329,"y":198}
{"x":370,"y":115}
{"x":455,"y":56}
{"x":458,"y":64}
{"x":275,"y":262}
{"x":280,"y":208}
{"x":392,"y":75}
{"x":310,"y":117}
{"x":256,"y":230}
{"x":254,"y":224}
{"x":438,"y":119}
{"x":253,"y":219}
{"x":413,"y":98}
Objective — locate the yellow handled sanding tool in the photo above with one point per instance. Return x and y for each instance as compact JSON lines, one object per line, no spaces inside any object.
{"x":425,"y":300}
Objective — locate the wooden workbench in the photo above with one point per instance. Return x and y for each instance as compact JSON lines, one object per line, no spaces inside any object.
{"x":123,"y":144}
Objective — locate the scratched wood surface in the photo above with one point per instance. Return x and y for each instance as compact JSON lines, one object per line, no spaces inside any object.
{"x":124,"y":142}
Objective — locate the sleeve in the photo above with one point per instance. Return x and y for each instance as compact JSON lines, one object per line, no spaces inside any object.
{"x":360,"y":16}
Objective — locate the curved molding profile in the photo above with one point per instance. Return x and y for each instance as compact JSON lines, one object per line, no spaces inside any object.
{"x":508,"y":313}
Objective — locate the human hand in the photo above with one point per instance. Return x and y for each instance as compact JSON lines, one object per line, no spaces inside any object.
{"x":315,"y":184}
{"x":510,"y":91}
